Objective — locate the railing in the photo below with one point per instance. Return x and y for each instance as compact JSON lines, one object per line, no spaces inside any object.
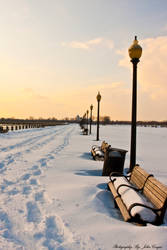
{"x":5,"y":127}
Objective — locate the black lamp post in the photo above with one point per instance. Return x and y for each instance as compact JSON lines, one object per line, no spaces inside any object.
{"x":135,"y":52}
{"x":87,"y":119}
{"x":82,"y":122}
{"x":90,"y":130}
{"x":98,"y":97}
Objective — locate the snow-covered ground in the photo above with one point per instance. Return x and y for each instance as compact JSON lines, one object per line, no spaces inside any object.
{"x":52,"y":194}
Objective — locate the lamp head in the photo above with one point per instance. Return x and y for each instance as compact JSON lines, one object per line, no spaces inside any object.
{"x":91,"y":107}
{"x":135,"y":50}
{"x":98,"y":97}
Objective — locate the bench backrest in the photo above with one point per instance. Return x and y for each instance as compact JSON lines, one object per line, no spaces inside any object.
{"x":104,"y":146}
{"x":156,"y":192}
{"x":139,"y":177}
{"x":153,"y":190}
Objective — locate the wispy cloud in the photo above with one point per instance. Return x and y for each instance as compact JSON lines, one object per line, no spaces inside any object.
{"x":153,"y":64}
{"x":164,"y":28}
{"x":100,"y":41}
{"x":152,"y":75}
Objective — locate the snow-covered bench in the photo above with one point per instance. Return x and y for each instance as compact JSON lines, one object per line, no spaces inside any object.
{"x":140,"y":197}
{"x":84,"y":131}
{"x":98,"y":151}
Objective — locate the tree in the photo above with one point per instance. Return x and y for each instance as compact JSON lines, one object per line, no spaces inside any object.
{"x":106,"y":120}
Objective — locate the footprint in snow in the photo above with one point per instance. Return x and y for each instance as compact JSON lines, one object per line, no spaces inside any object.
{"x":5,"y":184}
{"x":25,"y":177}
{"x":35,"y":167}
{"x":2,"y":165}
{"x":54,"y":234}
{"x":37,"y":172}
{"x":4,"y":221}
{"x":10,"y":159}
{"x":38,"y":236}
{"x":39,"y":196}
{"x":43,"y":162}
{"x":6,"y":228}
{"x":33,"y":182}
{"x":14,"y":191}
{"x":26,"y":190}
{"x":8,"y":183}
{"x":50,"y":156}
{"x":54,"y":229}
{"x":33,"y":212}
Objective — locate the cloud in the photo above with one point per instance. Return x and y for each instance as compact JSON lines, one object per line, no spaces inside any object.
{"x":90,"y":44}
{"x":152,"y":75}
{"x":164,"y":28}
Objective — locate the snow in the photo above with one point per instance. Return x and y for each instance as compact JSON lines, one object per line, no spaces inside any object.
{"x":54,"y":197}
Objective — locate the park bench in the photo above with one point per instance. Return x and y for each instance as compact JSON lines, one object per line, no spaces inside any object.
{"x":84,"y":131}
{"x":140,"y":197}
{"x":99,"y":151}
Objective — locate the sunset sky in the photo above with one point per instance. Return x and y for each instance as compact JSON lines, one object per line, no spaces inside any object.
{"x":55,"y":55}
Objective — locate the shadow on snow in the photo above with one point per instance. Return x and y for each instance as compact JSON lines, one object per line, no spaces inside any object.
{"x":86,"y":156}
{"x":89,"y":172}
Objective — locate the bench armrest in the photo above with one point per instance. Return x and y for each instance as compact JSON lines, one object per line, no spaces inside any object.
{"x":158,"y":218}
{"x":117,"y":174}
{"x":126,"y":185}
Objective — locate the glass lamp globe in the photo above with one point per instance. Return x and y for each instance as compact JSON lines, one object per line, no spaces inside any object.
{"x":98,"y":97}
{"x":135,"y":50}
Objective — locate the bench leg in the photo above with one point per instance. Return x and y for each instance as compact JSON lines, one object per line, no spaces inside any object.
{"x":116,"y":206}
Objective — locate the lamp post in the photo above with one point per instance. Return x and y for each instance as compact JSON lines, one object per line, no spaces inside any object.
{"x":87,"y":119}
{"x":98,"y":97}
{"x":135,"y":52}
{"x":82,"y":122}
{"x":91,"y":108}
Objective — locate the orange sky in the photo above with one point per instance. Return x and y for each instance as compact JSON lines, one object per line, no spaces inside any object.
{"x":55,"y":58}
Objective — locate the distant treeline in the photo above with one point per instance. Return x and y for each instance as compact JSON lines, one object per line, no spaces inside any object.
{"x":139,"y":123}
{"x":117,"y":122}
{"x":31,"y":121}
{"x":54,"y":121}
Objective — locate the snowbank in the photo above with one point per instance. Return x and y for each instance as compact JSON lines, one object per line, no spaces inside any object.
{"x":54,"y":197}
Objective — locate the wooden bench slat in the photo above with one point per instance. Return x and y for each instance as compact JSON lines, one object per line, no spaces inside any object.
{"x":156,"y":188}
{"x":119,"y":202}
{"x":138,"y":177}
{"x":104,"y":146}
{"x":138,"y":182}
{"x":138,"y":169}
{"x":154,"y":200}
{"x":154,"y":195}
{"x":155,"y":192}
{"x":158,"y":185}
